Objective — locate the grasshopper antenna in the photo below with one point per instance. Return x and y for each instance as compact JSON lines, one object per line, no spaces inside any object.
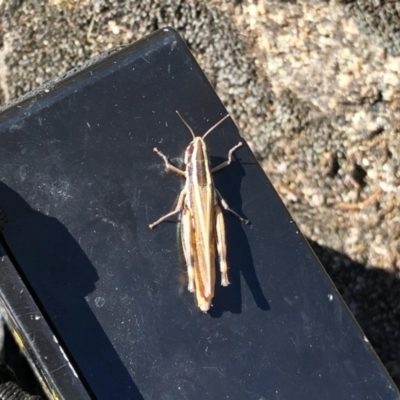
{"x":215,"y":125}
{"x":188,"y":126}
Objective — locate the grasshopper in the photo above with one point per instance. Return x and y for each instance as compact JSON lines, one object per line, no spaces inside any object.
{"x":202,"y":221}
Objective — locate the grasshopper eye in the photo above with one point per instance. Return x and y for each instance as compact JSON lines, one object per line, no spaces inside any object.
{"x":189,"y":149}
{"x":189,"y":153}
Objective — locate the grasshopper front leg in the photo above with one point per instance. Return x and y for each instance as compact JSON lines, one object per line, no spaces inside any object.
{"x":168,"y":165}
{"x":227,"y":208}
{"x":229,"y":160}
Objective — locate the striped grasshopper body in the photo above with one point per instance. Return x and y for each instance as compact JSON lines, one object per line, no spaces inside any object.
{"x":202,"y":221}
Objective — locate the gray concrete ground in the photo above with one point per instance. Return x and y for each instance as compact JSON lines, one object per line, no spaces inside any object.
{"x":315,"y":89}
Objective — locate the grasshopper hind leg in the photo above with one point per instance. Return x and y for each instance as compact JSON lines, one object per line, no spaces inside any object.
{"x":221,"y":245}
{"x":188,"y":246}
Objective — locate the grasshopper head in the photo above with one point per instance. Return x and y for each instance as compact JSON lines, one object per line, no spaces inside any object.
{"x":196,"y":151}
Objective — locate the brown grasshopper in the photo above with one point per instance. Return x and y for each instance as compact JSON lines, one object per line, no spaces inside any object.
{"x":202,"y":221}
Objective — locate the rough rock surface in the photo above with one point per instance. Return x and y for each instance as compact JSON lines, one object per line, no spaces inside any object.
{"x":315,"y":89}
